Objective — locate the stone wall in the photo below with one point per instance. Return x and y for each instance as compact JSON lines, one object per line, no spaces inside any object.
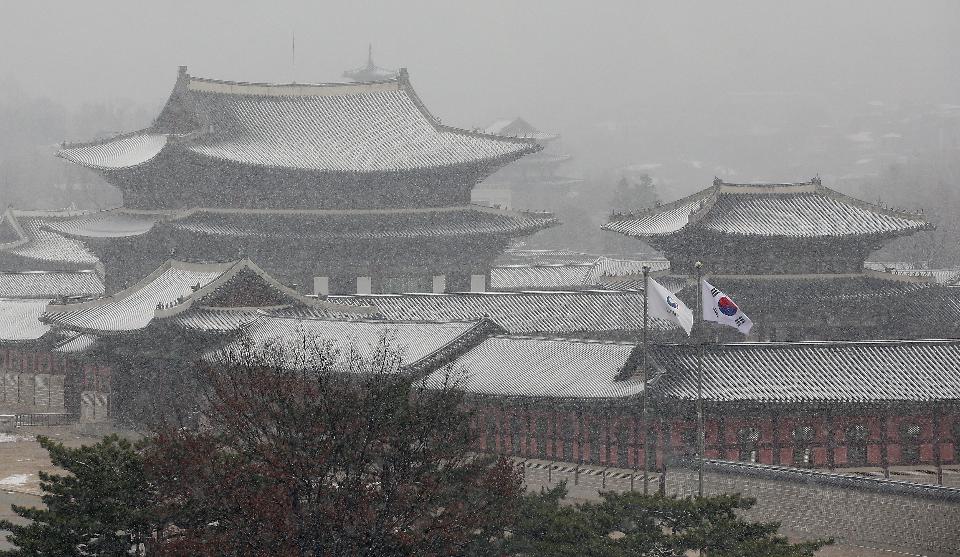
{"x":914,"y":519}
{"x":877,"y":513}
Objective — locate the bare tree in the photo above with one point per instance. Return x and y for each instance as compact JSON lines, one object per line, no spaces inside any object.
{"x":307,"y":451}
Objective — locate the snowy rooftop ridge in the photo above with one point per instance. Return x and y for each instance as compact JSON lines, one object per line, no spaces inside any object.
{"x":790,"y":210}
{"x":176,"y":288}
{"x":379,"y":126}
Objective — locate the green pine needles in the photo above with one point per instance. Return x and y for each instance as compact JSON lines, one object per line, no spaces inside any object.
{"x":102,"y":506}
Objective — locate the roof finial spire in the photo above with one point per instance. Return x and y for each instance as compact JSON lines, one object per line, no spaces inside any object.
{"x":370,"y":54}
{"x":717,"y":181}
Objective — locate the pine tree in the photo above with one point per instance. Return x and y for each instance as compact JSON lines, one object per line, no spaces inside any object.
{"x":103,"y":506}
{"x":630,"y":524}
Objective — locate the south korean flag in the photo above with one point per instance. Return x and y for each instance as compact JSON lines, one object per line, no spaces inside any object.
{"x":719,"y":308}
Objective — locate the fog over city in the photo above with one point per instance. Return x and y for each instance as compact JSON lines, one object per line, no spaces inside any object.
{"x":539,"y":278}
{"x":747,"y":88}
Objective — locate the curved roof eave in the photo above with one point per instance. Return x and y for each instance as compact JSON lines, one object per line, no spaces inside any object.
{"x":121,"y":152}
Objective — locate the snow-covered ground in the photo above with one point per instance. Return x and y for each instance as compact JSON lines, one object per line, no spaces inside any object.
{"x":16,"y":480}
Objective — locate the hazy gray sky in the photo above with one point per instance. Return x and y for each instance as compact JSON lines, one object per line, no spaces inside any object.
{"x":664,"y":71}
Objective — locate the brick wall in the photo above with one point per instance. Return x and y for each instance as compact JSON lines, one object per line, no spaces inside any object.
{"x":614,"y":436}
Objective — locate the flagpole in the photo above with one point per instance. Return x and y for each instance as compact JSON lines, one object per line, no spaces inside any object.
{"x":646,"y":377}
{"x":698,"y":326}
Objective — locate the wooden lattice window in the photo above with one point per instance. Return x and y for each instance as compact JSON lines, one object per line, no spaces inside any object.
{"x":803,"y":445}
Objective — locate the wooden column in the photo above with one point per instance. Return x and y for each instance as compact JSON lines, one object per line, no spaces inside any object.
{"x":884,"y":441}
{"x":578,"y":437}
{"x":668,"y":455}
{"x":831,"y":438}
{"x":721,"y":436}
{"x":775,"y":429}
{"x":937,"y":419}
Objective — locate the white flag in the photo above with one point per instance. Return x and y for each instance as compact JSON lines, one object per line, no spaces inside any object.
{"x":719,"y":308}
{"x":664,"y":304}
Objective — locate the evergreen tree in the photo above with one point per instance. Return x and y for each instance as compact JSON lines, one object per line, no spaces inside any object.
{"x":103,"y":506}
{"x":630,"y":524}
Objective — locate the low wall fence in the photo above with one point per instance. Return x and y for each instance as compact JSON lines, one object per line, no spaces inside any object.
{"x":893,"y":515}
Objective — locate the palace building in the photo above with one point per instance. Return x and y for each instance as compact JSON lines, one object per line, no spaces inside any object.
{"x":793,"y":256}
{"x":334,"y":188}
{"x":343,"y":212}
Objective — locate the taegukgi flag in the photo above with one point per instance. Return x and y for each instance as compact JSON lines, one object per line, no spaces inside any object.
{"x":664,"y":304}
{"x":719,"y":308}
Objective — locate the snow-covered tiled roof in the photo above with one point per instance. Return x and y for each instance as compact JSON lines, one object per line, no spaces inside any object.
{"x":75,"y":343}
{"x":125,"y":151}
{"x":135,"y":307}
{"x":320,"y":223}
{"x":50,"y":284}
{"x":601,"y":273}
{"x":518,"y":127}
{"x":113,"y":223}
{"x":39,"y":244}
{"x":867,"y":371}
{"x":216,"y":319}
{"x":173,"y":289}
{"x":535,"y":277}
{"x":895,"y":305}
{"x":371,"y":127}
{"x":609,"y":267}
{"x":509,"y":366}
{"x":20,"y":319}
{"x":361,"y":224}
{"x":805,"y":210}
{"x":303,"y":341}
{"x":661,"y":221}
{"x":224,"y":319}
{"x":548,"y":312}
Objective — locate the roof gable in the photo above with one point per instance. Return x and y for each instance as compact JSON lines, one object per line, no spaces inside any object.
{"x":175,"y":288}
{"x":10,"y":231}
{"x":518,"y":127}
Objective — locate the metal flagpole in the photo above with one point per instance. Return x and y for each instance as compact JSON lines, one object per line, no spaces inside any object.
{"x":646,"y":376}
{"x":698,"y":325}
